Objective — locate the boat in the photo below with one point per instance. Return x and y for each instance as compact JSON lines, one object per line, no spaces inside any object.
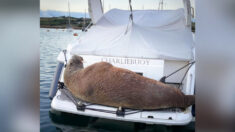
{"x":84,"y":23}
{"x":75,"y":34}
{"x":69,"y":27}
{"x":157,"y":44}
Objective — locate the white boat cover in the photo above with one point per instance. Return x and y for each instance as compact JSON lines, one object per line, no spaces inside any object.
{"x":155,"y":34}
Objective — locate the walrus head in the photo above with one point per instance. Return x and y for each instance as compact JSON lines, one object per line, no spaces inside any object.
{"x":75,"y":64}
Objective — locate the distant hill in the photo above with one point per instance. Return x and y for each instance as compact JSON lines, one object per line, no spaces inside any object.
{"x":62,"y":22}
{"x":53,"y":13}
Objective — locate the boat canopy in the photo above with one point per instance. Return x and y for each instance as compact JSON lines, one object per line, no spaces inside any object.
{"x":153,"y":34}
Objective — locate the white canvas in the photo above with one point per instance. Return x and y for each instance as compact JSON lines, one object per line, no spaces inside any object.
{"x":155,"y":34}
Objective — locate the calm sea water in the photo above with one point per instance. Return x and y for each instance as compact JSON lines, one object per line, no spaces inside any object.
{"x":52,"y":41}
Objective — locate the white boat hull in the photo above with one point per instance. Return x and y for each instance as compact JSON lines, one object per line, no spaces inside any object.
{"x":155,"y":69}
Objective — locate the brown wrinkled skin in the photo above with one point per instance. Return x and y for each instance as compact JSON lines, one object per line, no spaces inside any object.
{"x":102,"y":83}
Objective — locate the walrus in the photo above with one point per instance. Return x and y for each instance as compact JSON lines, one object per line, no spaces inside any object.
{"x":102,"y":83}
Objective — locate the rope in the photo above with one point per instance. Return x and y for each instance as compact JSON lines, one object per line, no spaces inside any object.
{"x":102,"y":110}
{"x":70,"y":96}
{"x":179,"y":69}
{"x":163,"y":79}
{"x":186,"y":73}
{"x":133,"y":112}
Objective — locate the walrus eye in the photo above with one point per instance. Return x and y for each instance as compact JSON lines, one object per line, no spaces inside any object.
{"x":81,"y":59}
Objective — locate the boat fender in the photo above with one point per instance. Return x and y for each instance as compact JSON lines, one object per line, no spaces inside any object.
{"x":55,"y":81}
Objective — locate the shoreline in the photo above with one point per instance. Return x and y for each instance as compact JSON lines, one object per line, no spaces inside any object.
{"x":60,"y":27}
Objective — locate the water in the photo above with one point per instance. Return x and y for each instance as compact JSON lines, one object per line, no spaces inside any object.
{"x":52,"y":41}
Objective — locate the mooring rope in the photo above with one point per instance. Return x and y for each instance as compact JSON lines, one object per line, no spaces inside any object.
{"x":163,"y":79}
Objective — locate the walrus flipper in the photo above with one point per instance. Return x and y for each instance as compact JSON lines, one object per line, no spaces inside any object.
{"x":189,"y":100}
